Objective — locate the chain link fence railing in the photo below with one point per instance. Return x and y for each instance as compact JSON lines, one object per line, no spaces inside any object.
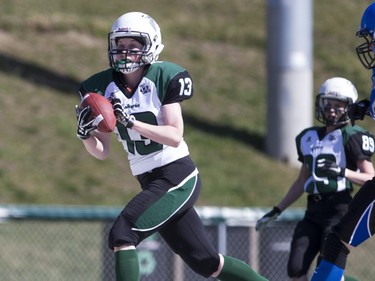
{"x":70,"y":243}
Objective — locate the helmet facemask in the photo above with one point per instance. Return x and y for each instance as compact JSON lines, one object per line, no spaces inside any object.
{"x":366,"y":30}
{"x":143,"y":29}
{"x":335,"y":94}
{"x":323,"y":108}
{"x":366,"y":51}
{"x":119,"y":58}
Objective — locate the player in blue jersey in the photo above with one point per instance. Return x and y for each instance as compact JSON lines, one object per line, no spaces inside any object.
{"x":146,"y":96}
{"x":333,"y":157}
{"x":358,"y":224}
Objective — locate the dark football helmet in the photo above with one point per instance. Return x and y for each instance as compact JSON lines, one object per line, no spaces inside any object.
{"x":365,"y":51}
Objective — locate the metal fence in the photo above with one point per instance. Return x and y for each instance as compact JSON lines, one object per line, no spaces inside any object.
{"x":70,"y":243}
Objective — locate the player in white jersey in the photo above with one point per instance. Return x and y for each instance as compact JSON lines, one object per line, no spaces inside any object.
{"x":330,"y":157}
{"x":358,"y":224}
{"x":146,"y":96}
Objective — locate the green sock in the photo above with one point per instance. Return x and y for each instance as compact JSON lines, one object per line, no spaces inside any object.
{"x":236,"y":270}
{"x":127,"y":265}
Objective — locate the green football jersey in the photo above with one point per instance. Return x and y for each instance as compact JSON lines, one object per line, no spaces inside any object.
{"x":163,"y":83}
{"x":345,"y":146}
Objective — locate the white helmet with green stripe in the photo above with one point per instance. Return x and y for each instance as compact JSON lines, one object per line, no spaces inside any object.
{"x":140,"y":27}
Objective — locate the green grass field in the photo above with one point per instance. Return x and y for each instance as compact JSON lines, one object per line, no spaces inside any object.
{"x":48,"y":47}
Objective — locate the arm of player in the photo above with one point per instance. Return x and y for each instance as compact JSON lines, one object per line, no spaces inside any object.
{"x":171,"y":133}
{"x":295,"y":191}
{"x":366,"y":172}
{"x":98,"y":145}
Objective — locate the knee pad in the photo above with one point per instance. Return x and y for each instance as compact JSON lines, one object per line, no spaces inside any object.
{"x":334,"y":250}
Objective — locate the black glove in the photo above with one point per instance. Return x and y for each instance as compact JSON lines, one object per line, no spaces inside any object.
{"x":84,"y":122}
{"x":330,"y":167}
{"x":121,"y":116}
{"x":358,"y":110}
{"x":267,"y":218}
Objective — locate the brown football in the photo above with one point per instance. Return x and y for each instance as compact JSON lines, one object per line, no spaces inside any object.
{"x":102,"y":111}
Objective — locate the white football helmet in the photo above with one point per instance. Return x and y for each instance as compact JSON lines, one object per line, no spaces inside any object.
{"x":144,"y":29}
{"x":335,"y":88}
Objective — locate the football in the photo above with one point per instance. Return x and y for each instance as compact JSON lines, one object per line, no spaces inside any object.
{"x":102,"y":111}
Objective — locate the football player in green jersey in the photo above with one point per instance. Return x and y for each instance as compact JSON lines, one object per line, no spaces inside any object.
{"x":146,"y":96}
{"x":333,"y":157}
